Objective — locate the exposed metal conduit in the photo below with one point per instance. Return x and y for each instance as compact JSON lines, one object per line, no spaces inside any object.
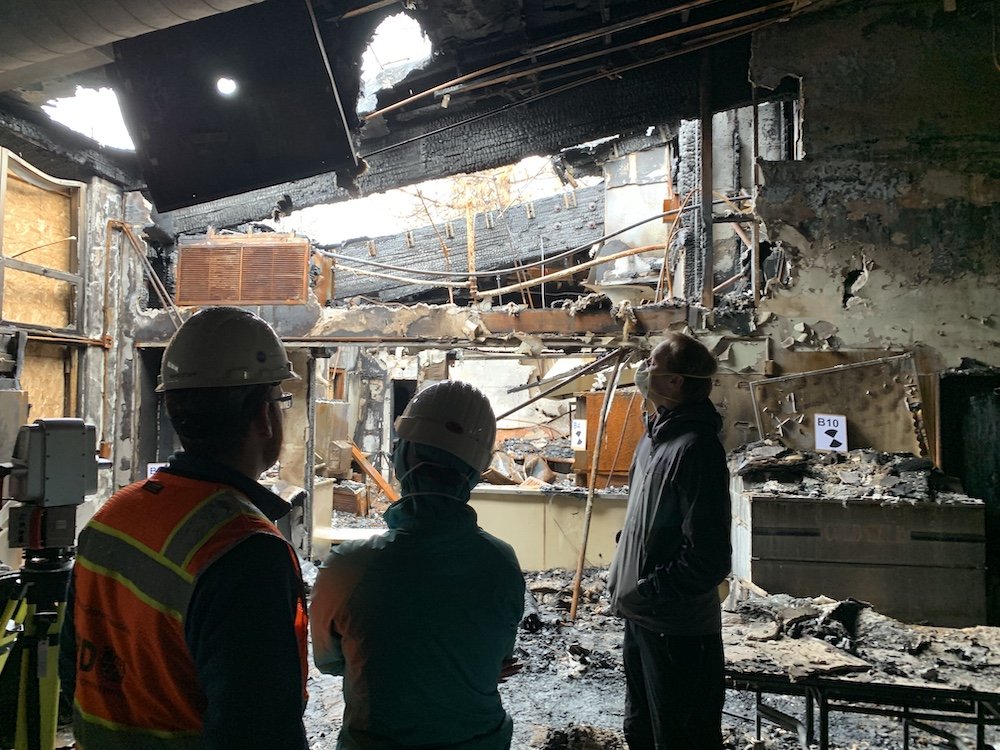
{"x":41,"y":31}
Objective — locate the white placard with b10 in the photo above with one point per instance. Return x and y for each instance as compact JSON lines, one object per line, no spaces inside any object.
{"x":578,"y":435}
{"x":831,"y":432}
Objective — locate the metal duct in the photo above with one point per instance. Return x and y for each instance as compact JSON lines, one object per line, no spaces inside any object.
{"x":43,"y":39}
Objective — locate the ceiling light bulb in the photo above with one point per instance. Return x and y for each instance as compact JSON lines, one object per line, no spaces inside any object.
{"x":226,"y":86}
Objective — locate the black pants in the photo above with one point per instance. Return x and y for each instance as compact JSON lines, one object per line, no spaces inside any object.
{"x":674,"y":690}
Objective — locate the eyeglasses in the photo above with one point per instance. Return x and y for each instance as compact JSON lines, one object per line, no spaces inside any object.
{"x":284,"y":401}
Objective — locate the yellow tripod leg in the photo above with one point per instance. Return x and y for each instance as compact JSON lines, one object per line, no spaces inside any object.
{"x":11,"y":618}
{"x":38,"y":698}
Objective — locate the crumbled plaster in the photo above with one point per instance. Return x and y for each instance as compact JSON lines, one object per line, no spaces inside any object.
{"x":397,"y":363}
{"x":530,"y":346}
{"x":398,"y":323}
{"x":432,"y":364}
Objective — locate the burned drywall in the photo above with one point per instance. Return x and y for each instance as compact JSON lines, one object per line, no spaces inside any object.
{"x":100,"y":368}
{"x":892,"y":218}
{"x":372,"y":381}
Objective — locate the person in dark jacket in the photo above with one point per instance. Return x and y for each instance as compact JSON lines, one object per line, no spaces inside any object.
{"x":186,"y":616}
{"x":673,"y":553}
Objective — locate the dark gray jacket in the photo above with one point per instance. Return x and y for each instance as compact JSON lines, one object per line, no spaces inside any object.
{"x":676,"y":534}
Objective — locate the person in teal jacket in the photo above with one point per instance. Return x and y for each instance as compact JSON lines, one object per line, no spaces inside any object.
{"x":421,"y":621}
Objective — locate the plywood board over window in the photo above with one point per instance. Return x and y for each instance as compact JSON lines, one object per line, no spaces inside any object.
{"x":50,"y":380}
{"x":40,"y":277}
{"x":41,"y":280}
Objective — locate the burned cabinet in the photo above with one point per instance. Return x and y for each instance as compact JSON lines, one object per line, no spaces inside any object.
{"x":916,"y":562}
{"x":621,"y":434}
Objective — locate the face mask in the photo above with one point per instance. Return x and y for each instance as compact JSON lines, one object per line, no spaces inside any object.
{"x":403,"y":472}
{"x":642,"y":380}
{"x":402,"y":477}
{"x":642,"y":384}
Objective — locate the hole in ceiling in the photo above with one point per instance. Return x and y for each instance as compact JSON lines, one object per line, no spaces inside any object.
{"x":398,"y":46}
{"x":94,"y":113}
{"x":431,"y":203}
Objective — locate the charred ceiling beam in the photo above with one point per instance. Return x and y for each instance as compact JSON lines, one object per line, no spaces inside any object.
{"x":487,"y":138}
{"x":583,"y":324}
{"x":558,"y":44}
{"x":446,"y":326}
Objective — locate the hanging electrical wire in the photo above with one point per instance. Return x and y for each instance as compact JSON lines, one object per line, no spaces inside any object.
{"x":603,"y":52}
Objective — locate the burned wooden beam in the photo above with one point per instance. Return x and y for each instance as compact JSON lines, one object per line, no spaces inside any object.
{"x":562,"y":322}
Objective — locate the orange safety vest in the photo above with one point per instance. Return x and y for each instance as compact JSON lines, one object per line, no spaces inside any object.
{"x":135,"y":573}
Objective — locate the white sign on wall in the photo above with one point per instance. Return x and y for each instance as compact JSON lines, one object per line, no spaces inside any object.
{"x":578,"y":435}
{"x":831,"y":432}
{"x":152,"y":467}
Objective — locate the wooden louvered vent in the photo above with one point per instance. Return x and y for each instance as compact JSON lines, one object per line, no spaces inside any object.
{"x":243,"y":269}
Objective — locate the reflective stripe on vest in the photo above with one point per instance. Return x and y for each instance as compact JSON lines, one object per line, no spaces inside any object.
{"x":138,"y":561}
{"x":104,"y":735}
{"x":161,"y":580}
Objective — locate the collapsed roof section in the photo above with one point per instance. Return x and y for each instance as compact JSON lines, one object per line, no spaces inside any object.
{"x":502,"y":245}
{"x":506,"y":80}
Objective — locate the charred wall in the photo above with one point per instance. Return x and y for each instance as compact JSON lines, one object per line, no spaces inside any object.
{"x":892,"y":218}
{"x":893,"y":214}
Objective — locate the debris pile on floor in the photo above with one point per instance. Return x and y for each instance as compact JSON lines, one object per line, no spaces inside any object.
{"x":800,"y":637}
{"x":767,"y":467}
{"x":537,"y":462}
{"x":570,"y":692}
{"x":576,"y":737}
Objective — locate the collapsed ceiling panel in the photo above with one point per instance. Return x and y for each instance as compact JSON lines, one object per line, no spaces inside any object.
{"x":256,"y":105}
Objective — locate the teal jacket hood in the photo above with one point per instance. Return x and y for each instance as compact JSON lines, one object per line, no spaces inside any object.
{"x":431,"y":514}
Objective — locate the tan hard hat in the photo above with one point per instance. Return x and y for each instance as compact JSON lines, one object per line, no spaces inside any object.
{"x":223,"y":346}
{"x":453,"y":416}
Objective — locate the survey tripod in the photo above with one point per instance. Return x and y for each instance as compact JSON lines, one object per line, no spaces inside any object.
{"x":52,"y":469}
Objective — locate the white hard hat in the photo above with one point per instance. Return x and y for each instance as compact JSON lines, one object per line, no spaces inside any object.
{"x":223,"y":346}
{"x":453,"y":416}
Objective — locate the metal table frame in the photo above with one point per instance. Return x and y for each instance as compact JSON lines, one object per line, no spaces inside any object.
{"x":913,"y":705}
